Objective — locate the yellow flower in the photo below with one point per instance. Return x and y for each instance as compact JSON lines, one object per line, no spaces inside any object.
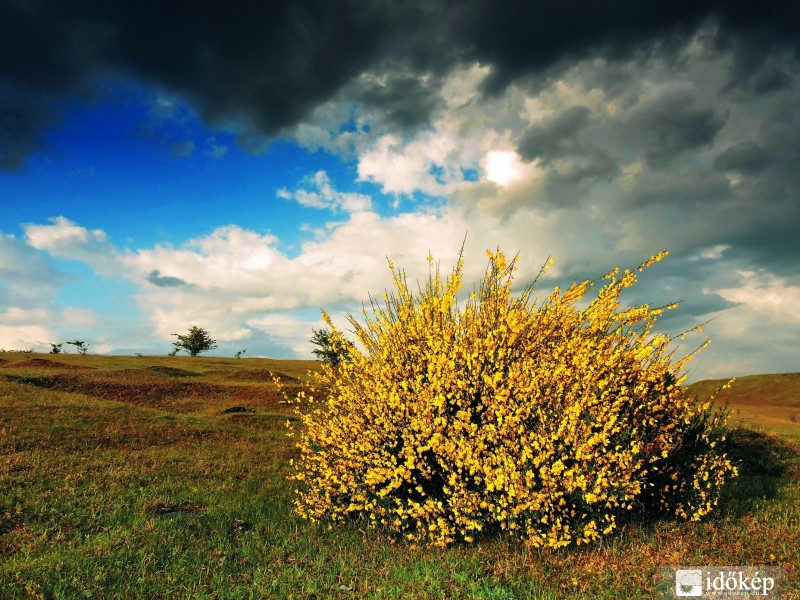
{"x":548,"y":417}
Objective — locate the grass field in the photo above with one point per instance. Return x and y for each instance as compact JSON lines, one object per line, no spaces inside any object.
{"x":131,"y":477}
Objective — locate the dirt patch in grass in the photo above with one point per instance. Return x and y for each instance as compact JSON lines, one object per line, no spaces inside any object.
{"x":261,"y":375}
{"x":171,"y":510}
{"x":172,"y":371}
{"x":141,"y":392}
{"x":237,"y":409}
{"x":11,"y":521}
{"x":39,"y":363}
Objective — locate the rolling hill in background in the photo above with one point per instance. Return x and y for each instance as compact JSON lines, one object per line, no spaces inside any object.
{"x":770,"y":402}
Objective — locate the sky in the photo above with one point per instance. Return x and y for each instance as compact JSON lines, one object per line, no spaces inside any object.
{"x":240,"y":166}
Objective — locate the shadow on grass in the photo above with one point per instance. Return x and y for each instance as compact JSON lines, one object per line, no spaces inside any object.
{"x":171,"y":371}
{"x":764,"y":462}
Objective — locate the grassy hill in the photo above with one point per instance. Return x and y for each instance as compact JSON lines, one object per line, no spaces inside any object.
{"x":156,"y":477}
{"x":769,"y":403}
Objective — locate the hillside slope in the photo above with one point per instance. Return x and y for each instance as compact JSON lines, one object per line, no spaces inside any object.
{"x":768,"y":402}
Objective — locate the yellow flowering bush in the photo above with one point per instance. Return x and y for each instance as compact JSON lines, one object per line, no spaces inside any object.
{"x":548,"y":418}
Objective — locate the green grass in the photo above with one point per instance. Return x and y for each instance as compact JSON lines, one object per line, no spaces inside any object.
{"x":122,"y":477}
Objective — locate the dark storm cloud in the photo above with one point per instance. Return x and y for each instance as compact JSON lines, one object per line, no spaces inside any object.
{"x":772,"y":243}
{"x":23,"y":116}
{"x":671,"y":125}
{"x":747,"y":157}
{"x":771,"y":235}
{"x":267,"y":65}
{"x":264,"y":63}
{"x":404,"y":99}
{"x":156,"y":278}
{"x":557,"y":137}
{"x":686,"y":189}
{"x":520,"y":36}
{"x":567,"y":135}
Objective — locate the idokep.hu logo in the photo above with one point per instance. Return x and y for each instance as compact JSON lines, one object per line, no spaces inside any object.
{"x":719,"y":582}
{"x":688,"y":582}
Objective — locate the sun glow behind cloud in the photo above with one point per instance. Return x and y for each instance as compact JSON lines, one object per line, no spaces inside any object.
{"x":504,"y":167}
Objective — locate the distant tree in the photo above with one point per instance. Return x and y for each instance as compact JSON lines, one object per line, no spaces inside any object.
{"x":174,"y":352}
{"x":80,"y":346}
{"x":330,"y":350}
{"x":239,"y":353}
{"x":197,"y":340}
{"x":56,"y":348}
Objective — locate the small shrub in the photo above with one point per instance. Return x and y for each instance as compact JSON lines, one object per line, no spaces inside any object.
{"x":541,"y":418}
{"x":81,"y":346}
{"x":195,"y":341}
{"x":330,"y":348}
